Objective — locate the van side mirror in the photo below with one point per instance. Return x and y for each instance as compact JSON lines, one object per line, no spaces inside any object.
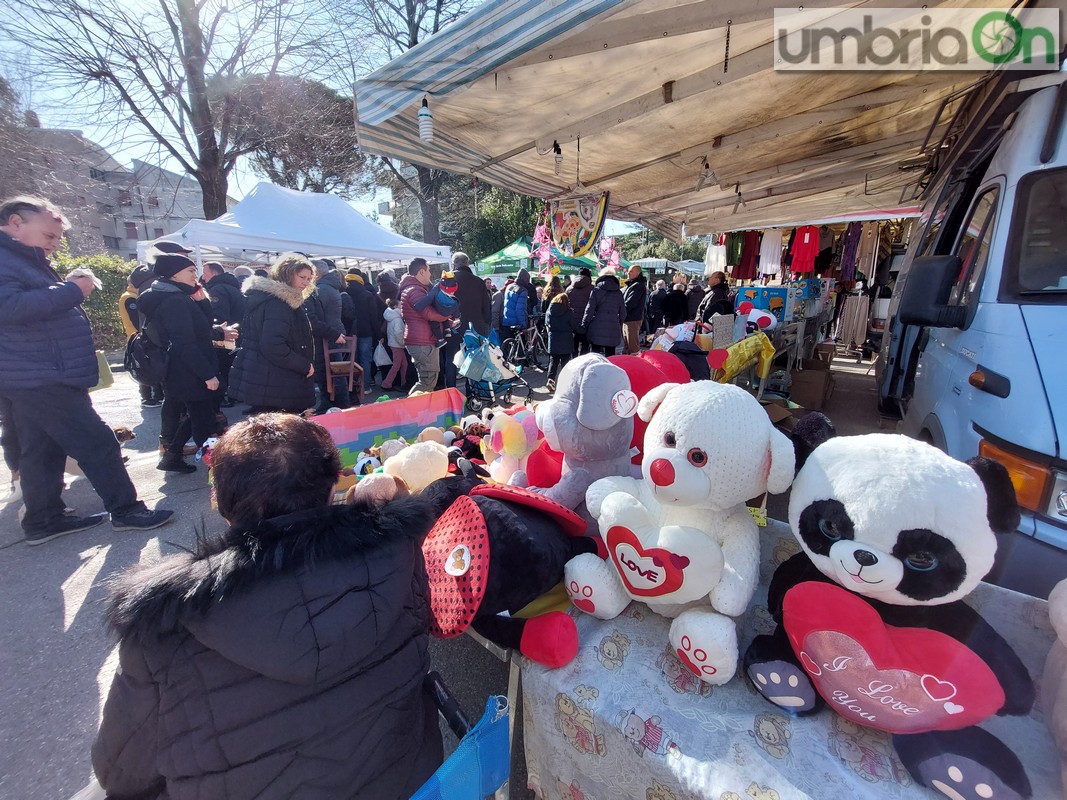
{"x":925,"y":297}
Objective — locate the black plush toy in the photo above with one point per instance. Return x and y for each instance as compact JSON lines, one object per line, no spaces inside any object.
{"x":870,"y":615}
{"x":497,"y":549}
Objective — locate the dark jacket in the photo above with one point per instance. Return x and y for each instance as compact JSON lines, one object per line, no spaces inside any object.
{"x":579,"y":292}
{"x":281,"y":662}
{"x":388,"y":288}
{"x":634,"y":298}
{"x":474,"y":301}
{"x":516,"y":310}
{"x":497,"y":309}
{"x":368,"y":310}
{"x":560,"y":330}
{"x":182,"y":326}
{"x":45,"y":337}
{"x":227,"y":302}
{"x":328,"y":288}
{"x":655,"y":307}
{"x":275,"y":348}
{"x":716,"y":301}
{"x":693,"y":297}
{"x":605,"y":313}
{"x":675,"y":307}
{"x":417,"y":331}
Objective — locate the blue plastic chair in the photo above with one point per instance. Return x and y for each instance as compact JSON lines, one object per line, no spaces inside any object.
{"x":482,"y":762}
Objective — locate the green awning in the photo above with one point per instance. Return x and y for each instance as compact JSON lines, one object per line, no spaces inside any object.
{"x":516,"y":255}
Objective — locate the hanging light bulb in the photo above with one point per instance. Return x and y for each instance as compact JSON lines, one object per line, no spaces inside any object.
{"x":559,"y":157}
{"x":425,"y":122}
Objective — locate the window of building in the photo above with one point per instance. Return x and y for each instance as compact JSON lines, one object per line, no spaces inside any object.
{"x":158,"y":233}
{"x":96,"y":174}
{"x":111,"y":243}
{"x":153,"y":201}
{"x":124,"y":197}
{"x":131,"y":230}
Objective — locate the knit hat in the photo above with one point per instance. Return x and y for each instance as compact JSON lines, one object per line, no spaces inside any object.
{"x":353,"y":277}
{"x":141,"y":277}
{"x":169,"y":264}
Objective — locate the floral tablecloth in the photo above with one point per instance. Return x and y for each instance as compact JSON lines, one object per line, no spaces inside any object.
{"x":626,"y":720}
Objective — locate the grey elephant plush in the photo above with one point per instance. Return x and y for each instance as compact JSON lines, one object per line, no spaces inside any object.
{"x":590,"y":421}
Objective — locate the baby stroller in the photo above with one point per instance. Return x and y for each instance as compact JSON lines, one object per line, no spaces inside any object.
{"x":490,"y":379}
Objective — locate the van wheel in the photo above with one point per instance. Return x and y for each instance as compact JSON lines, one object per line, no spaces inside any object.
{"x":926,"y":436}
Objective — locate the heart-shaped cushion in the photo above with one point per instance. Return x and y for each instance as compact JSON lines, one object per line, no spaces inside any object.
{"x":901,"y":680}
{"x":455,"y":598}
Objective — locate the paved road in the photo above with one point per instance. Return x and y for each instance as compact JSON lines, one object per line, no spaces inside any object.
{"x":56,"y":662}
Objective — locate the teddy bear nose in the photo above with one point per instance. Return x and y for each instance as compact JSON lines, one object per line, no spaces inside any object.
{"x":661,"y":472}
{"x":865,"y":558}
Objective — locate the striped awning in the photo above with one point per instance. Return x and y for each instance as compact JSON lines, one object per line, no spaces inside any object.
{"x":673,"y":107}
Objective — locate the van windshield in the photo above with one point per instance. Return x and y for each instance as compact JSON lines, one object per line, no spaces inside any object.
{"x":1037,"y":260}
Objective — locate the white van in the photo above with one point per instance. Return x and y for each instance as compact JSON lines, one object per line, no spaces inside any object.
{"x":975,"y":359}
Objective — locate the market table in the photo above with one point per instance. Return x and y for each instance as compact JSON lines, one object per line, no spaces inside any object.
{"x":727,"y":742}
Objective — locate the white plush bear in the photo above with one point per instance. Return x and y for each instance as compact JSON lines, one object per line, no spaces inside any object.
{"x":683,"y":536}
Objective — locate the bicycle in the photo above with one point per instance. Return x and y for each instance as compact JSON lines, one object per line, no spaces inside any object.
{"x":527,"y":348}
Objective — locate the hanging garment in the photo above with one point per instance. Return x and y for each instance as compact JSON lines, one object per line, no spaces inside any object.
{"x":747,"y":269}
{"x":868,"y":250}
{"x":805,"y":248}
{"x":734,"y":242}
{"x":852,"y":326}
{"x":770,"y":253}
{"x":715,"y":255}
{"x":826,"y":238}
{"x":787,"y":259}
{"x":848,"y":252}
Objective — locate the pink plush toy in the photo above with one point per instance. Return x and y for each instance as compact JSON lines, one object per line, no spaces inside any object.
{"x":513,"y":435}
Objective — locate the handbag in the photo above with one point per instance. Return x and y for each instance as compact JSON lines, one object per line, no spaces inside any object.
{"x":381,"y":356}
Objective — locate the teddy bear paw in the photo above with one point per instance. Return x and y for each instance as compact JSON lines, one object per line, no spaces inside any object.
{"x":593,"y":587}
{"x":784,"y":684}
{"x":706,"y":643}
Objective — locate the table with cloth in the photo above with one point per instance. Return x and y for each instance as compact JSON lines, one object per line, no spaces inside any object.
{"x":626,"y":719}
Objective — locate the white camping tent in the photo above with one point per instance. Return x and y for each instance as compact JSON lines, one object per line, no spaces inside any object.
{"x":271,"y":219}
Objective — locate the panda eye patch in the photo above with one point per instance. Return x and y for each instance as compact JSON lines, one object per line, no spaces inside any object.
{"x":933,"y":566}
{"x":669,"y":439}
{"x":823,"y":523}
{"x":921,"y":561}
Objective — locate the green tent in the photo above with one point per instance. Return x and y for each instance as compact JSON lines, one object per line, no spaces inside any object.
{"x":516,"y":255}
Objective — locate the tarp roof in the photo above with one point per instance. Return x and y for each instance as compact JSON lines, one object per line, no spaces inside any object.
{"x":649,"y":89}
{"x":272,"y":219}
{"x":517,"y":254}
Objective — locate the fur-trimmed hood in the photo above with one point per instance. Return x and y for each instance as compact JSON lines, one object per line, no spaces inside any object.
{"x":292,"y":297}
{"x":273,"y":599}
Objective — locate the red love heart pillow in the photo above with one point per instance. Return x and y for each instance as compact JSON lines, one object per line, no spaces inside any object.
{"x":901,"y":680}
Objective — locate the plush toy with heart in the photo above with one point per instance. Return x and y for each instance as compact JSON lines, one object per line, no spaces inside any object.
{"x":870,"y":615}
{"x":682,"y":537}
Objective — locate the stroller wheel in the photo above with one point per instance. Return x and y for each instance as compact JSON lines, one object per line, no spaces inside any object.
{"x":475,"y":404}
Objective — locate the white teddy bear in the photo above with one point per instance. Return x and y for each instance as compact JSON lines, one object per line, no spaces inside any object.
{"x":683,"y":536}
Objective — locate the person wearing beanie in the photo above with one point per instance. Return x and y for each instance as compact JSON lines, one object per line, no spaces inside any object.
{"x":475,"y":301}
{"x":177,"y":317}
{"x":604,"y":314}
{"x":578,"y":294}
{"x":388,"y":288}
{"x":138,"y":281}
{"x":47,"y":366}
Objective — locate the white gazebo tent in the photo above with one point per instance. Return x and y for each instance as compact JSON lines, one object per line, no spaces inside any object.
{"x":271,"y":220}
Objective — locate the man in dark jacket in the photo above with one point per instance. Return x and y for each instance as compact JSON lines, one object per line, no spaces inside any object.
{"x":284,"y":658}
{"x":604,"y":314}
{"x":634,"y":297}
{"x":47,"y":365}
{"x":693,"y":297}
{"x":475,"y":302}
{"x":578,"y":293}
{"x":675,"y":306}
{"x":655,"y":306}
{"x":228,"y":308}
{"x":323,"y":308}
{"x":368,"y":311}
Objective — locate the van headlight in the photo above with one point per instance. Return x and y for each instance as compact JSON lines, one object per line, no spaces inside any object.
{"x":1031,"y":479}
{"x":1057,"y":506}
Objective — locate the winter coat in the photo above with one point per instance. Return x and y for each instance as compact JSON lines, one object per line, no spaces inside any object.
{"x":716,"y":301}
{"x":328,"y":288}
{"x":605,"y":313}
{"x":368,"y":310}
{"x":693,"y":297}
{"x":275,"y":349}
{"x":181,"y":326}
{"x":388,"y":289}
{"x":227,"y":302}
{"x":285,"y":661}
{"x":560,"y":330}
{"x":634,"y":298}
{"x":497,"y":309}
{"x":578,"y":292}
{"x":675,"y":307}
{"x":655,"y":307}
{"x":516,"y":312}
{"x":45,"y":336}
{"x":417,"y":331}
{"x":475,"y":304}
{"x":394,"y":327}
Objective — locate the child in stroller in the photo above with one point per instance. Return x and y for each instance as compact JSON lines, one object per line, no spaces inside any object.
{"x":490,"y":379}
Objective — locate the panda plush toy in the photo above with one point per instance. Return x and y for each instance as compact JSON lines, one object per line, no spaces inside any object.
{"x":871,"y":618}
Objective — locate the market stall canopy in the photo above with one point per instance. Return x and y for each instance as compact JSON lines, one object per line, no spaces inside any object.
{"x":674,"y":107}
{"x":516,"y":255}
{"x":272,"y":219}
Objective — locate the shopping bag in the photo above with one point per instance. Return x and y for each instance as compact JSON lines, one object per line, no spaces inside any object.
{"x":381,"y":356}
{"x":106,"y":377}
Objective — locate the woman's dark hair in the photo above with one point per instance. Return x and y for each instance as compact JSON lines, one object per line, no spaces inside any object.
{"x":270,"y":465}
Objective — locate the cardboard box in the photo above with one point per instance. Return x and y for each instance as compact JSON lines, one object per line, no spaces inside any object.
{"x":806,"y":288}
{"x":781,"y":415}
{"x":825,"y":351}
{"x":776,"y":299}
{"x":815,"y":363}
{"x":811,"y":388}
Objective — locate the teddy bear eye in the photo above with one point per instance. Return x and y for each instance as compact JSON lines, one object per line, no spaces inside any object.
{"x":921,"y":561}
{"x":828,"y":528}
{"x":669,"y":439}
{"x":697,"y":457}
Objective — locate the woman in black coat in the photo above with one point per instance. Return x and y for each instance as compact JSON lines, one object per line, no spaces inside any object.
{"x":284,"y":658}
{"x":272,"y":368}
{"x":560,"y":336}
{"x":179,"y":319}
{"x":604,"y":314}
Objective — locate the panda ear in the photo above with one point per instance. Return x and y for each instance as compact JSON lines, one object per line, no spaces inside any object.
{"x":1002,"y":510}
{"x":810,"y":431}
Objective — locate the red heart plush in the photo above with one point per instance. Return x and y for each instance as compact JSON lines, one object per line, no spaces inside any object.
{"x":901,"y":680}
{"x":651,"y":572}
{"x":717,"y":358}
